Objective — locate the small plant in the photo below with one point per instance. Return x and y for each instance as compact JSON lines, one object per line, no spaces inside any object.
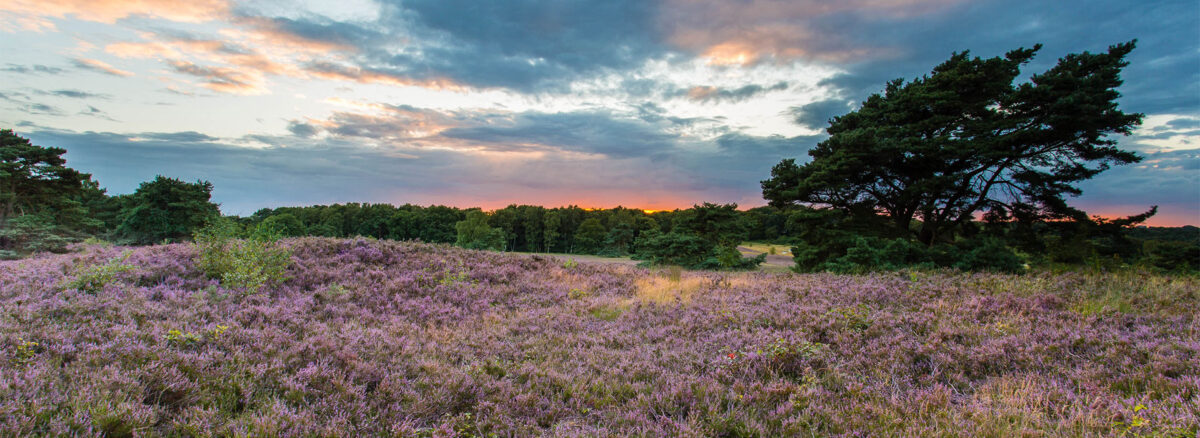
{"x":215,"y":332}
{"x":856,"y":318}
{"x":26,"y":350}
{"x":459,"y":275}
{"x":180,"y":338}
{"x":93,"y":279}
{"x":570,"y":263}
{"x":577,"y":293}
{"x":1135,"y":424}
{"x":793,"y":358}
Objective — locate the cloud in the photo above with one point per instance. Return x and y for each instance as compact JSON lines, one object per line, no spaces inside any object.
{"x":313,"y":34}
{"x":525,"y":45}
{"x":31,"y":69}
{"x":1169,"y":179}
{"x":746,"y":32}
{"x":586,"y":132}
{"x":708,"y":93}
{"x":74,"y":94}
{"x":109,"y":11}
{"x":99,"y":66}
{"x":816,"y":115}
{"x":223,"y":79}
{"x":1163,"y":75}
{"x":302,"y":129}
{"x":332,"y":71}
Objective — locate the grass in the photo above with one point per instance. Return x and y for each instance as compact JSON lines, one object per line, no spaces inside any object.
{"x":785,"y":250}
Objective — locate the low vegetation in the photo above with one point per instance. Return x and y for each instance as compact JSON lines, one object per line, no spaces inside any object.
{"x":378,"y":338}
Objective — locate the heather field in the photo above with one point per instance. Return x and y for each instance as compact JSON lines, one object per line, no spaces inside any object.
{"x":380,"y":338}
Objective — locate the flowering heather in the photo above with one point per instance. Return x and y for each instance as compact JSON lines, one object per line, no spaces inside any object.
{"x":375,"y":338}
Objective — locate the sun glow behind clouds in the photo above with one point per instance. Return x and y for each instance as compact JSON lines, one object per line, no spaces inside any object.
{"x":698,"y":103}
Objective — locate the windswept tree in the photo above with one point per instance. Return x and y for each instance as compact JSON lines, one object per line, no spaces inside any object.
{"x":966,"y":141}
{"x":43,"y":203}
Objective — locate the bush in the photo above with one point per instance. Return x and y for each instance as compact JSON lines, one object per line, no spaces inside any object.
{"x":1172,"y":255}
{"x":92,"y":279}
{"x":244,"y":264}
{"x":868,"y":254}
{"x":987,"y":255}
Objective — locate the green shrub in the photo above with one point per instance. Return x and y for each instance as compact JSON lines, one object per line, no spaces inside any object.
{"x":1172,"y":255}
{"x":987,"y":255}
{"x":92,"y":279}
{"x":243,"y":264}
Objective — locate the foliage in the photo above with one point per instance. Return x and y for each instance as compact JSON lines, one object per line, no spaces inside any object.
{"x":589,"y":238}
{"x":93,"y":279}
{"x":1173,"y":255}
{"x":32,"y":178}
{"x":167,"y":209}
{"x":674,"y":248}
{"x":247,"y":265}
{"x":284,"y":225}
{"x":965,"y":141}
{"x":32,"y":233}
{"x":474,"y":233}
{"x":393,"y":352}
{"x":40,"y":204}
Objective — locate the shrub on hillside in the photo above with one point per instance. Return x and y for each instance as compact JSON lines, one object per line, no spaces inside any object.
{"x":93,"y":279}
{"x":869,"y":254}
{"x":243,"y":264}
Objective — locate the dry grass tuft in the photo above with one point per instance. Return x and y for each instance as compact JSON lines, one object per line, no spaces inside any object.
{"x":666,"y":289}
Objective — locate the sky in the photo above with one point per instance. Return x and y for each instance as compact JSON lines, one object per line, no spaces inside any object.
{"x":646,"y":104}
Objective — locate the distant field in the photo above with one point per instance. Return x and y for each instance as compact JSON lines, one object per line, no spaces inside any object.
{"x":382,"y":338}
{"x":774,"y":263}
{"x":785,"y":250}
{"x":584,"y":258}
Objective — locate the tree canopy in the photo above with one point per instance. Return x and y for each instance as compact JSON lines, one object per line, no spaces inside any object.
{"x":33,"y":178}
{"x":167,"y":209}
{"x":965,"y":141}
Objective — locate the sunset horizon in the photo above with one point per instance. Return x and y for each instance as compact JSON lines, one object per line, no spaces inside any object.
{"x":651,"y":105}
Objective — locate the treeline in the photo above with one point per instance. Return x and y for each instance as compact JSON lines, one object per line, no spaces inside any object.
{"x":45,"y":206}
{"x":705,"y":235}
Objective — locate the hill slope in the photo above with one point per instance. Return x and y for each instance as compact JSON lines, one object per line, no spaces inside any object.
{"x":396,"y":339}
